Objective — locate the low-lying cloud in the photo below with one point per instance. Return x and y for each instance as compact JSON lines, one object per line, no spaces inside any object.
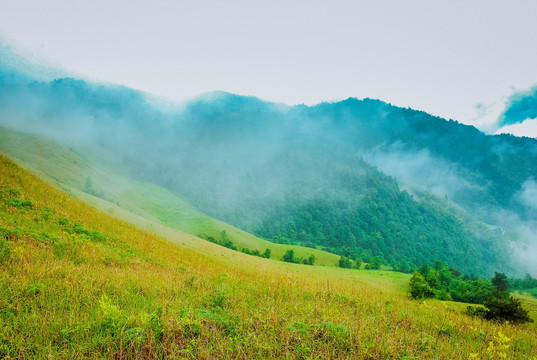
{"x":419,"y":169}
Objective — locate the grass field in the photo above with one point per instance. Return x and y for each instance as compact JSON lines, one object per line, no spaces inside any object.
{"x":76,"y":282}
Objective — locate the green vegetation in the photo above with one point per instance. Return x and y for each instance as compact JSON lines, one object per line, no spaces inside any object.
{"x":506,"y":310}
{"x":419,"y":288}
{"x":255,"y":252}
{"x":114,"y":291}
{"x":138,"y":202}
{"x":347,"y":263}
{"x":224,"y":240}
{"x":231,"y":157}
{"x":77,"y":283}
{"x":289,"y":257}
{"x":374,"y":220}
{"x":527,"y":284}
{"x":443,"y":283}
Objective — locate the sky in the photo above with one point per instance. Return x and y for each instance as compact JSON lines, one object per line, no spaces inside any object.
{"x":460,"y":60}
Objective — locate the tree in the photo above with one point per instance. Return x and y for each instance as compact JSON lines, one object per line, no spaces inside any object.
{"x":404,"y":266}
{"x":500,"y":282}
{"x":432,"y":278}
{"x":375,"y":263}
{"x":438,"y":265}
{"x":289,"y":256}
{"x":424,"y":269}
{"x":445,"y":277}
{"x":266,"y":254}
{"x":419,"y":289}
{"x":344,"y":263}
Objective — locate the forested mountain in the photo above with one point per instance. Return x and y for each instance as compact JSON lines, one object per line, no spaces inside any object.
{"x":361,"y":178}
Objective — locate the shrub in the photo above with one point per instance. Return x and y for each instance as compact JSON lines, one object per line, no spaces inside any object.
{"x":506,"y":310}
{"x":289,"y":256}
{"x":344,"y":263}
{"x":476,"y":311}
{"x":375,"y":263}
{"x":419,"y":289}
{"x":19,"y":204}
{"x":112,"y":318}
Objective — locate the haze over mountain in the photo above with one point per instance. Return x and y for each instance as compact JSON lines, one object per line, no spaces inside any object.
{"x":360,"y":178}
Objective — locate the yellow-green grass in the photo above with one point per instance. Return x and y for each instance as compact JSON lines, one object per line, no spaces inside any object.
{"x":530,"y":304}
{"x":111,"y":290}
{"x":66,"y":168}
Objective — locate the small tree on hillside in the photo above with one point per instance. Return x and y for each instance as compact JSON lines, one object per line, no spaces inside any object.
{"x":500,"y":282}
{"x":375,"y":263}
{"x":419,"y":289}
{"x":289,"y":256}
{"x":344,"y":262}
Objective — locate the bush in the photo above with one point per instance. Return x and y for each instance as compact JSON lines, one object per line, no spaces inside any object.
{"x":476,"y":311}
{"x":375,"y":263}
{"x":419,"y":289}
{"x":289,"y":256}
{"x":506,"y":310}
{"x":344,"y":263}
{"x":19,"y":204}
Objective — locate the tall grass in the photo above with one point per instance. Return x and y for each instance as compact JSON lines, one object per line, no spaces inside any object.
{"x":76,"y":283}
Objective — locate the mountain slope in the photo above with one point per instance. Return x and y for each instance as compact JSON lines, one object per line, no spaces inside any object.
{"x":140,"y":203}
{"x":247,"y":162}
{"x":77,"y":283}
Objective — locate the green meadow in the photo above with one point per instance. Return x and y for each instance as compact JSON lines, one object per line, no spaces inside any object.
{"x":118,"y":272}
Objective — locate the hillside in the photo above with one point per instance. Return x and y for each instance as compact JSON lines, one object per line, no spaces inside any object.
{"x":312,"y":176}
{"x":77,"y":283}
{"x":141,"y":203}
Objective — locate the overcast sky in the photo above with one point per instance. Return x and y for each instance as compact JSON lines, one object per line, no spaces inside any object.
{"x":455,"y":59}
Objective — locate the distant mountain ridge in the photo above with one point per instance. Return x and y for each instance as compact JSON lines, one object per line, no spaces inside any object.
{"x":313,"y":175}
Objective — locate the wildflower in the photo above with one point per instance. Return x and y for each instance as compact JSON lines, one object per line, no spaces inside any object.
{"x":497,"y":349}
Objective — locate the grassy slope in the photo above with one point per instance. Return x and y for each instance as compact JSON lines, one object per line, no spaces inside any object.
{"x":68,"y":169}
{"x":107,"y":289}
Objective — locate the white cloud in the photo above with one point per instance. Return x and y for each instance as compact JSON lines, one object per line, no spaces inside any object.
{"x":528,"y":194}
{"x":419,"y":169}
{"x":440,"y":57}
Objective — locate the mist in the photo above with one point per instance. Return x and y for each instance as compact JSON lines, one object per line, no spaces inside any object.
{"x":421,"y":170}
{"x":307,"y":175}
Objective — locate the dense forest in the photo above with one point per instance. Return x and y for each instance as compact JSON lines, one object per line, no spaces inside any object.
{"x":371,"y":217}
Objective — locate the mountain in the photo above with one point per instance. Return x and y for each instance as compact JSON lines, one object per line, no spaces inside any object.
{"x":360,"y":178}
